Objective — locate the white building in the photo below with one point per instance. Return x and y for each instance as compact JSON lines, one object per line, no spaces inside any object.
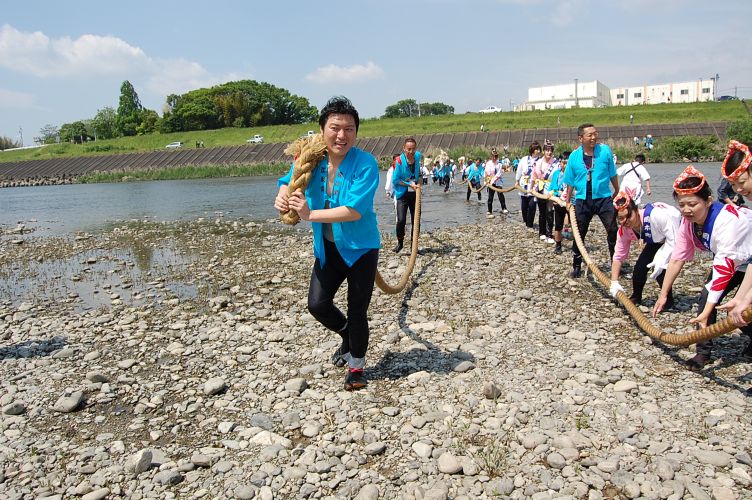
{"x":595,"y":94}
{"x":569,"y":95}
{"x":693,"y":91}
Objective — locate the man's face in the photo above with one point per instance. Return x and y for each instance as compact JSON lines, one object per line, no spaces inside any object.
{"x":409,"y":149}
{"x":589,"y":137}
{"x":339,"y":134}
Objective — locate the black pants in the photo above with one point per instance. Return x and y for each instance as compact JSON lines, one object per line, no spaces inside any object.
{"x":545,"y":217}
{"x":324,"y":285}
{"x":475,"y":186}
{"x":527,"y":207}
{"x":407,"y":201}
{"x":585,"y":210}
{"x":502,"y":200}
{"x":640,"y":272}
{"x":736,"y":280}
{"x":560,"y":213}
{"x":446,"y":183}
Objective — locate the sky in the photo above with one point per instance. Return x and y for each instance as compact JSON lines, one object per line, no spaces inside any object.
{"x":61,"y":62}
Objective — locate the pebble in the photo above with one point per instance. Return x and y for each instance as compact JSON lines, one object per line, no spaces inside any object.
{"x":541,"y":393}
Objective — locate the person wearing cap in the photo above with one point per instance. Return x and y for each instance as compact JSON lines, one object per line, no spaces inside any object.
{"x":494,"y":173}
{"x":522,"y":178}
{"x":656,"y":227}
{"x":707,"y":225}
{"x":591,"y":169}
{"x":405,"y":178}
{"x":539,"y":182}
{"x":736,"y":170}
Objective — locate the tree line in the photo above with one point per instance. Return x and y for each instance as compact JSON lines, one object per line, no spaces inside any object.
{"x":245,"y":103}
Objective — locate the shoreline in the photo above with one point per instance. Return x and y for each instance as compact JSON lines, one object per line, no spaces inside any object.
{"x":228,"y":390}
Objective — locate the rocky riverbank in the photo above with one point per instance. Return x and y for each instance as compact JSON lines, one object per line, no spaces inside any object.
{"x":177,"y":360}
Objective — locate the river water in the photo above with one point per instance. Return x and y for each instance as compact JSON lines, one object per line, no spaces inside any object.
{"x":65,"y":210}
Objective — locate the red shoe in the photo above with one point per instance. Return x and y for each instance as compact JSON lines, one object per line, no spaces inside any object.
{"x":355,"y":379}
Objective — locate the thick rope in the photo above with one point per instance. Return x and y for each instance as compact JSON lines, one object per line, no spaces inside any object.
{"x":677,"y":339}
{"x":307,"y":153}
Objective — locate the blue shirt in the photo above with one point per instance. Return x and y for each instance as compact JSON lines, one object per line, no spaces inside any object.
{"x":354,"y":186}
{"x":403,"y":173}
{"x":474,"y":173}
{"x":601,"y":172}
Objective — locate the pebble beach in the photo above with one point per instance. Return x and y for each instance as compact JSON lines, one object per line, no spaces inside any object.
{"x":178,"y":360}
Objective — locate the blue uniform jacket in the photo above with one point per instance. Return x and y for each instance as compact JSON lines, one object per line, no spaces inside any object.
{"x":402,"y":174}
{"x":601,"y":173}
{"x":354,"y":186}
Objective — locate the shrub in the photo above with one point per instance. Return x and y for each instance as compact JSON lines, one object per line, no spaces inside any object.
{"x":686,"y":148}
{"x":740,"y":130}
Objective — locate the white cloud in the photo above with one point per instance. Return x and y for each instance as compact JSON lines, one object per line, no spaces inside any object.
{"x":95,"y":56}
{"x":345,"y":74}
{"x":12,"y":99}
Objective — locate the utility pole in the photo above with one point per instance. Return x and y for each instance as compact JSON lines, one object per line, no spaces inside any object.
{"x":576,"y":98}
{"x":20,"y":134}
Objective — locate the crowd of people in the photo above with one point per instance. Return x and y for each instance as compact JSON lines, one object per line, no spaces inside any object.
{"x":339,"y":203}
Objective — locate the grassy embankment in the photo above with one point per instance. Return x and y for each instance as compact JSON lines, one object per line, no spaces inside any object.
{"x":376,"y":127}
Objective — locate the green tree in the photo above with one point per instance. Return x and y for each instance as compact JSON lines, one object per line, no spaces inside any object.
{"x":241,"y":103}
{"x":402,"y":109}
{"x":149,"y":122}
{"x":129,"y":110}
{"x":436,"y":108}
{"x":103,"y":124}
{"x":8,"y":143}
{"x":73,"y":132}
{"x":49,"y":134}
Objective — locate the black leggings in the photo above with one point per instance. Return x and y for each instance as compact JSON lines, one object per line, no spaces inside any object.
{"x":324,"y":285}
{"x":407,"y":201}
{"x":502,"y":200}
{"x":736,"y":280}
{"x":545,"y":217}
{"x":475,"y":186}
{"x":560,"y":214}
{"x":640,"y":271}
{"x":527,"y":207}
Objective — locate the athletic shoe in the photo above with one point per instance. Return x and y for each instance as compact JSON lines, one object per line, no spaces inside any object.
{"x":550,"y":240}
{"x":489,"y":213}
{"x":558,"y":250}
{"x":505,"y":211}
{"x":397,"y":248}
{"x":355,"y":379}
{"x":542,"y":237}
{"x":576,"y":273}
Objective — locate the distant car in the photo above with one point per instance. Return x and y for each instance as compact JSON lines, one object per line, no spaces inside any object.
{"x":174,"y":145}
{"x":727,"y":98}
{"x":256,"y":139}
{"x":490,"y":109}
{"x":308,"y":134}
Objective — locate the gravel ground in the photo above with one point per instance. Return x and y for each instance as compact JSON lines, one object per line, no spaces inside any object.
{"x":177,"y":360}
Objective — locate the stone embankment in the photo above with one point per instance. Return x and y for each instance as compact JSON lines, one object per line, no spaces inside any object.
{"x":493,"y":376}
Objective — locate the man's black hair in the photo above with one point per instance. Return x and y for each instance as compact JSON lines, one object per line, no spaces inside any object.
{"x":640,"y":157}
{"x":581,"y":128}
{"x":339,"y":105}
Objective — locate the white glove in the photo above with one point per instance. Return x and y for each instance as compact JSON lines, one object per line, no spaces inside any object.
{"x":660,"y":261}
{"x":615,"y":288}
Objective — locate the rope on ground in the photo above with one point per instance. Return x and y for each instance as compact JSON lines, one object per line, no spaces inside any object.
{"x":676,"y":339}
{"x":307,"y":153}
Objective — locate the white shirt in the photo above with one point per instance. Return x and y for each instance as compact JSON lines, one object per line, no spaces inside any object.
{"x":632,"y":179}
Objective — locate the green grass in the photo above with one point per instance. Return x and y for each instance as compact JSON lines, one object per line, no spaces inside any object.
{"x":377,"y":127}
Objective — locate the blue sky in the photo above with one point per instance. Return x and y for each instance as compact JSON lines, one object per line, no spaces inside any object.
{"x":62,"y":61}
